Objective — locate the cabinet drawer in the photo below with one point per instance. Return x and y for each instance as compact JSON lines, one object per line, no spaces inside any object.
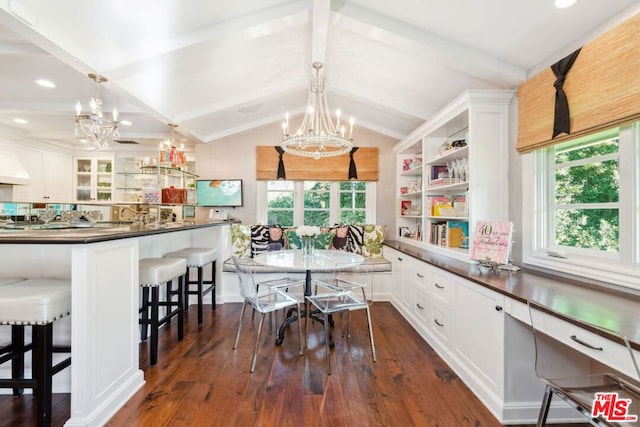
{"x":604,"y":350}
{"x":441,"y":287}
{"x":421,"y":274}
{"x":421,"y":306}
{"x":439,"y":323}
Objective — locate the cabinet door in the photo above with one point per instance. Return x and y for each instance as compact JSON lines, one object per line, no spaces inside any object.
{"x":33,"y":161}
{"x":479,"y":333}
{"x":397,"y":268}
{"x":58,"y":182}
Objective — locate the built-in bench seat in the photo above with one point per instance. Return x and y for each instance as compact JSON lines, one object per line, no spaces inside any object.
{"x":246,"y":240}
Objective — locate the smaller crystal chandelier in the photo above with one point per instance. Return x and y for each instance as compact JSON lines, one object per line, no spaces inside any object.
{"x":94,"y":125}
{"x":170,"y":156}
{"x":317,"y":136}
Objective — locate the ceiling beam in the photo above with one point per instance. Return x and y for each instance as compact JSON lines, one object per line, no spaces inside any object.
{"x":319,"y":30}
{"x":452,"y":54}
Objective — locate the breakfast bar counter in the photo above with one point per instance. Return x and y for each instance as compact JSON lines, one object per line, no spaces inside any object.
{"x":102,"y":264}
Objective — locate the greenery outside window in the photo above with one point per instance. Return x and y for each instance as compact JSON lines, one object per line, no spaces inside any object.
{"x":318,"y":203}
{"x":583,"y":207}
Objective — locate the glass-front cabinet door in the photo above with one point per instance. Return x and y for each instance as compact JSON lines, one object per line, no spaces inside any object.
{"x":93,"y":180}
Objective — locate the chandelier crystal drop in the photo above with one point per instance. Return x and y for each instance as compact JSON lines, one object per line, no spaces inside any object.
{"x":98,"y":129}
{"x":318,"y":136}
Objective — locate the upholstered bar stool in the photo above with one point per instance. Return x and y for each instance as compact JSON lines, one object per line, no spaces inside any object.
{"x":36,"y":303}
{"x":198,"y":258}
{"x":153,"y":273}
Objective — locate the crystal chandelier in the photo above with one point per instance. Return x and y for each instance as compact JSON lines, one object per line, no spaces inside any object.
{"x":94,"y":125}
{"x":317,"y":136}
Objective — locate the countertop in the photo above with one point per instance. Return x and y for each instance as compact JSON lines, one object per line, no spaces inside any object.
{"x":101,"y":232}
{"x":606,"y":307}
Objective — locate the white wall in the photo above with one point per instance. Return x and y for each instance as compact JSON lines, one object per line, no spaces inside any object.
{"x":235,"y":157}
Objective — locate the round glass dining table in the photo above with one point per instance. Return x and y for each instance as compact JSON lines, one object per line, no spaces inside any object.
{"x":292,"y":260}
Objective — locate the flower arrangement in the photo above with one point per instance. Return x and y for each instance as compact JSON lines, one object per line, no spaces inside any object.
{"x":307,"y":231}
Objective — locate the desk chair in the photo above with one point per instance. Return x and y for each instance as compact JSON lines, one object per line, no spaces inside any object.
{"x":273,"y":298}
{"x":349,"y":277}
{"x":330,"y":299}
{"x":573,"y":371}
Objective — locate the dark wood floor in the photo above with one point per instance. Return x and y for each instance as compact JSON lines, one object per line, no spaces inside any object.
{"x":201,"y":381}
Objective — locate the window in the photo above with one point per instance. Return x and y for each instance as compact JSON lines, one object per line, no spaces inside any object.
{"x":583,"y":207}
{"x":316,"y":203}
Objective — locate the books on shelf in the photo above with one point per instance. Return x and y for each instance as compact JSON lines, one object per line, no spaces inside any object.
{"x":458,"y":234}
{"x":452,"y":234}
{"x":453,"y":206}
{"x":492,"y":242}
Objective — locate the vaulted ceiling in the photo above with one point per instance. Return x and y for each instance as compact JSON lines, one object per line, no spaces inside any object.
{"x":218,"y":68}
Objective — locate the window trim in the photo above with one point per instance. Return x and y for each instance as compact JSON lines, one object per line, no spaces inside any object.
{"x":298,"y":210}
{"x":624,"y":268}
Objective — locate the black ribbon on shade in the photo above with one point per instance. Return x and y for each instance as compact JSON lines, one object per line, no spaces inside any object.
{"x":353,"y":173}
{"x":561,"y":120}
{"x":281,"y":173}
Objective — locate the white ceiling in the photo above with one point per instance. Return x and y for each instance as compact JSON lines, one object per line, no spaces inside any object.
{"x":217,"y":68}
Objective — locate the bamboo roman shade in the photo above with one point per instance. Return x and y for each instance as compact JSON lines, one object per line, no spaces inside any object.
{"x":365,"y":162}
{"x":602,"y":88}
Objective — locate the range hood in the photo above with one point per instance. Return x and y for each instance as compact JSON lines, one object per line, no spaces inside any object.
{"x":12,"y":171}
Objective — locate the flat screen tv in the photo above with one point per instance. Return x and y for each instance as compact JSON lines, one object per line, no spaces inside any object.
{"x":219,"y":192}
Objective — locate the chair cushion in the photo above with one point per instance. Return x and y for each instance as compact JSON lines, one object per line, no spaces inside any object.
{"x":266,"y":238}
{"x":157,"y":271}
{"x":34,"y":301}
{"x":195,"y":257}
{"x":241,"y":240}
{"x":321,"y":241}
{"x":372,"y":240}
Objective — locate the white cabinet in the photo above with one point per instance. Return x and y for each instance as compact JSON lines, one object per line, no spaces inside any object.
{"x":452,"y":172}
{"x":50,"y":174}
{"x":462,"y":321}
{"x":93,"y":180}
{"x":478,"y":337}
{"x":398,"y":263}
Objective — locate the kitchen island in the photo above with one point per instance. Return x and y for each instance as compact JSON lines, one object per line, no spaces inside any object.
{"x":102,"y":264}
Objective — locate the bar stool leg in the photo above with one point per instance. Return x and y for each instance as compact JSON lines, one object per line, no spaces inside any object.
{"x":180,"y":306}
{"x":154,"y":326}
{"x":200,"y":299}
{"x":213,"y":283}
{"x":42,"y":371}
{"x":17,"y":364}
{"x":187,"y":281}
{"x":144,"y":311}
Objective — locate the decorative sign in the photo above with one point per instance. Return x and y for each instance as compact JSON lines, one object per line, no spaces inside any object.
{"x":492,"y":242}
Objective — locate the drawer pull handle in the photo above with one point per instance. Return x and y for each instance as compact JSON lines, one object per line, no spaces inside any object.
{"x":419,"y":275}
{"x":438,"y":323}
{"x":439,"y":286}
{"x":498,"y":308}
{"x":586,"y":344}
{"x":399,"y":259}
{"x":419,"y":306}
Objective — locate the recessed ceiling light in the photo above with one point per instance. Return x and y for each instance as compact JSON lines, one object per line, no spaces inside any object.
{"x":125,"y":122}
{"x":561,"y":4}
{"x":46,"y":83}
{"x":20,"y":121}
